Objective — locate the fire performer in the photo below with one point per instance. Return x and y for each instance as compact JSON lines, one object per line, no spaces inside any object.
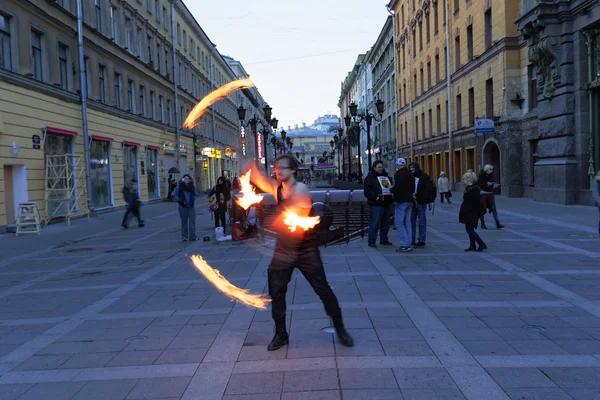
{"x":295,"y":248}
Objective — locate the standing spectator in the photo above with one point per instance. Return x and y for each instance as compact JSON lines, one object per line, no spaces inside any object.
{"x":403,"y":191}
{"x":133,"y":205}
{"x":470,"y":211}
{"x":488,"y":202}
{"x":444,"y":188}
{"x":596,"y":193}
{"x":379,"y":196}
{"x":185,"y":194}
{"x":172,"y":183}
{"x":223,"y":196}
{"x":422,"y":199}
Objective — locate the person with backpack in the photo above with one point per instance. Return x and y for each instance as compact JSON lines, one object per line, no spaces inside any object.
{"x":379,"y":197}
{"x":132,"y":196}
{"x":185,"y":195}
{"x":403,"y":190}
{"x":470,"y":212}
{"x":425,"y":194}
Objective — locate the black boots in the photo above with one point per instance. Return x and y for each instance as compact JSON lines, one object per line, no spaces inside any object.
{"x":472,"y":245}
{"x":342,"y":334}
{"x":281,"y":337}
{"x":372,"y":243}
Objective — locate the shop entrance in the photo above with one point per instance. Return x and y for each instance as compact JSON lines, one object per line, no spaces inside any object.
{"x":15,"y":190}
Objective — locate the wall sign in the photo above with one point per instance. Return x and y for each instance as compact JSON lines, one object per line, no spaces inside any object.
{"x":259,"y":144}
{"x":36,"y":142}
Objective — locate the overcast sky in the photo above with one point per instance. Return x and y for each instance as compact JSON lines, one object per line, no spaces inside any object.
{"x":297,"y":52}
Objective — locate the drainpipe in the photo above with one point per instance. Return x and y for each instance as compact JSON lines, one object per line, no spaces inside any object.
{"x":449,"y":92}
{"x":83,"y":91}
{"x":410,"y":96}
{"x":393,"y":14}
{"x":212,"y":108}
{"x":175,"y":76}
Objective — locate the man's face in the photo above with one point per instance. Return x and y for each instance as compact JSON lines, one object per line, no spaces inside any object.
{"x":412,"y":169}
{"x":283,"y":171}
{"x":379,"y":168}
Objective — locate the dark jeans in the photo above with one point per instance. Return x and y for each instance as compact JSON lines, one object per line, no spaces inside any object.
{"x":447,"y":195}
{"x":379,"y":222}
{"x":188,"y":222}
{"x":419,"y":211}
{"x":220,"y":216}
{"x":311,"y":266}
{"x":135,"y":211}
{"x":473,"y":236}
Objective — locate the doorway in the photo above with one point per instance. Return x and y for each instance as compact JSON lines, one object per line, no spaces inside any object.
{"x":491,"y":155}
{"x":15,"y":190}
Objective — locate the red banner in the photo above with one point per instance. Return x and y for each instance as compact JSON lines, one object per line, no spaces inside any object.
{"x":259,"y":144}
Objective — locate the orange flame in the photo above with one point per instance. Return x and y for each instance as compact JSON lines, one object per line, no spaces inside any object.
{"x":213,"y":97}
{"x":293,"y":221}
{"x":249,"y":196}
{"x":231,"y":291}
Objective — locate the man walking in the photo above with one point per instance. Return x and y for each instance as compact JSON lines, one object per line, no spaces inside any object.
{"x":403,"y":190}
{"x":298,"y":249}
{"x":133,"y":205}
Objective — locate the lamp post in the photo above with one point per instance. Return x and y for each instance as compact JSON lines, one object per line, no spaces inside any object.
{"x":368,"y":118}
{"x":270,"y":123}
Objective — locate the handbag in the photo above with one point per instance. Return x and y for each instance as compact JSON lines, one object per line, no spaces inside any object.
{"x":212,"y":203}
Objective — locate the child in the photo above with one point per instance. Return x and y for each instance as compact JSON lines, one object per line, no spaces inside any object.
{"x":133,"y":205}
{"x":470,"y":211}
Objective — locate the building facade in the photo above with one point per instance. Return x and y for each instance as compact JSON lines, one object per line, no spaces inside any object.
{"x":140,"y":87}
{"x":382,"y":63}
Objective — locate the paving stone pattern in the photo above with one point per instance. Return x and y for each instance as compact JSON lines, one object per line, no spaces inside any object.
{"x":92,"y":311}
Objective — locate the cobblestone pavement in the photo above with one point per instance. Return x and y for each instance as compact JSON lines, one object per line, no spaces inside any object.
{"x":97,"y":312}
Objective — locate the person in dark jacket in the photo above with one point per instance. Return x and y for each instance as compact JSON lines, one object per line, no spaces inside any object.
{"x":133,"y":205}
{"x":488,"y":202}
{"x":420,"y":204}
{"x":185,"y":194}
{"x":223,"y":196}
{"x":379,"y":197}
{"x":403,"y":190}
{"x":470,"y":211}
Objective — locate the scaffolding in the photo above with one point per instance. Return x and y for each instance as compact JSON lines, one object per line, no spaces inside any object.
{"x":65,"y":185}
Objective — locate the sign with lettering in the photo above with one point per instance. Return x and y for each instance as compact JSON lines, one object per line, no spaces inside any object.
{"x":259,"y":144}
{"x":243,"y":134}
{"x":484,"y":126}
{"x":35,"y":140}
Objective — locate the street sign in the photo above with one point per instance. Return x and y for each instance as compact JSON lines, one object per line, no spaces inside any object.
{"x":484,"y":126}
{"x":35,"y":139}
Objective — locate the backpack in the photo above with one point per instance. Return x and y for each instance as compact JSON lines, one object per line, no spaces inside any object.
{"x":430,"y":192}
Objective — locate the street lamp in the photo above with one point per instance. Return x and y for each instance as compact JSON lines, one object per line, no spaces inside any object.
{"x":353,"y":108}
{"x":270,"y":123}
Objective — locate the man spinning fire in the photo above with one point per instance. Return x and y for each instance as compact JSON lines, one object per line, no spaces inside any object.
{"x":294,"y":248}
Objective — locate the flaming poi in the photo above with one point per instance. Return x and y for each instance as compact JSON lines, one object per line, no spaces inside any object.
{"x":223,"y":285}
{"x":294,"y":221}
{"x":249,"y":196}
{"x":213,"y":97}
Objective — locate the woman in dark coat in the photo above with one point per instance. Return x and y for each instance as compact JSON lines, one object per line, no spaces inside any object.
{"x":223,"y":196}
{"x":379,"y":197}
{"x":470,"y":211}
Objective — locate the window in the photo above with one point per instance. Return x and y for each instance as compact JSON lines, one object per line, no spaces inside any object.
{"x":417,"y":128}
{"x":430,"y":120}
{"x":438,"y":119}
{"x":435,"y":17}
{"x":446,"y":63}
{"x":178,"y":34}
{"x":489,"y":98}
{"x":457,"y":52}
{"x":117,"y":83}
{"x":533,"y":158}
{"x":488,"y":28}
{"x":421,"y":35}
{"x":165,"y":20}
{"x":447,"y":117}
{"x":142,"y":100}
{"x":184,"y":40}
{"x":131,"y":95}
{"x":62,"y":66}
{"x":198,"y":54}
{"x":169,"y":115}
{"x":161,"y":109}
{"x":404,"y":91}
{"x":532,"y":86}
{"x":36,"y":55}
{"x":158,"y":53}
{"x":437,"y":68}
{"x":423,"y":131}
{"x":149,"y":5}
{"x":102,"y":83}
{"x":458,"y":111}
{"x":98,"y":9}
{"x":5,"y":53}
{"x":157,"y":10}
{"x":152,"y":105}
{"x":414,"y":36}
{"x":150,"y":61}
{"x":140,"y":43}
{"x":88,"y":76}
{"x":167,"y":72}
{"x":469,"y":42}
{"x":114,"y":24}
{"x":472,"y":107}
{"x":191,"y":47}
{"x":422,"y":81}
{"x":128,"y":33}
{"x":427,"y":30}
{"x":430,"y":84}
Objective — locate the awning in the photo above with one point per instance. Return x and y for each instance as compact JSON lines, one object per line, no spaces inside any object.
{"x":59,"y":131}
{"x":128,"y":143}
{"x":102,"y":138}
{"x":153,"y":147}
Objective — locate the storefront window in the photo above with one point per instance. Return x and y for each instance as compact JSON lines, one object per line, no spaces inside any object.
{"x":100,"y":171}
{"x":151,"y":173}
{"x":129,"y":164}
